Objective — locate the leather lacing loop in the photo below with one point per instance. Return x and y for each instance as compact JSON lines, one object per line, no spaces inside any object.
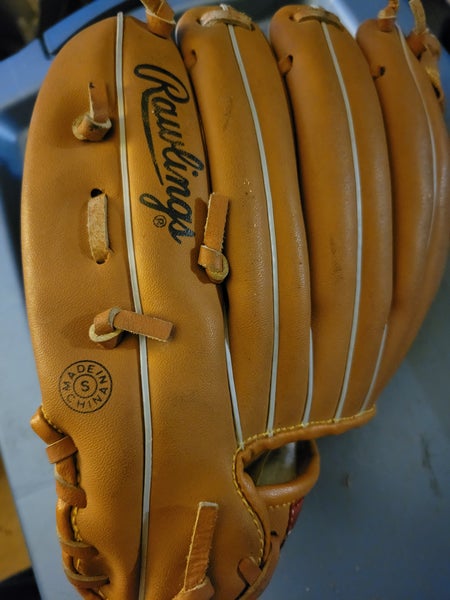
{"x":210,"y":256}
{"x":387,"y":16}
{"x":85,"y":581}
{"x":76,"y":549}
{"x":92,"y":126}
{"x":109,"y":325}
{"x":256,"y":576}
{"x":61,"y":452}
{"x":249,"y":570}
{"x":61,"y":449}
{"x":70,"y":493}
{"x":160,"y":17}
{"x":316,"y":13}
{"x":226,"y":15}
{"x":424,"y":45}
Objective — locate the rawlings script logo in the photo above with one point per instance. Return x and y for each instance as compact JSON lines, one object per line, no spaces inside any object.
{"x":173,"y":167}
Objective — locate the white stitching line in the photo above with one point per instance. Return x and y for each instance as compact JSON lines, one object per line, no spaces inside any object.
{"x":357,"y":302}
{"x":376,"y":370}
{"x":231,"y":384}
{"x":271,"y":220}
{"x":137,"y":307}
{"x":308,"y":405}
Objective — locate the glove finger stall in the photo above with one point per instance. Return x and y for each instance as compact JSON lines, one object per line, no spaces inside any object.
{"x":345,"y":183}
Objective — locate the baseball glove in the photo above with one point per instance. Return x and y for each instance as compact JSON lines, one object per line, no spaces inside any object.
{"x":228,"y":247}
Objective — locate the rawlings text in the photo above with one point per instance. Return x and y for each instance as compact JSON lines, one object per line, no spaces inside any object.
{"x":175,"y":164}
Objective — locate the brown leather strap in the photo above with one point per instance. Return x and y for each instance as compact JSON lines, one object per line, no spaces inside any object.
{"x":388,"y":16}
{"x":109,"y":324}
{"x":258,"y":581}
{"x":227,"y":15}
{"x":308,"y":13}
{"x":85,"y":581}
{"x":92,"y":126}
{"x":60,"y":446}
{"x":98,"y":102}
{"x":196,"y":584}
{"x":76,"y":549}
{"x":61,"y":449}
{"x":70,"y":494}
{"x":43,"y":428}
{"x":160,"y":17}
{"x":418,"y":12}
{"x":426,"y":47}
{"x":210,"y":255}
{"x":249,"y":570}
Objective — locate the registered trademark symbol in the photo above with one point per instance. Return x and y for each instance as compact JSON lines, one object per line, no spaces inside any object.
{"x":159,"y":221}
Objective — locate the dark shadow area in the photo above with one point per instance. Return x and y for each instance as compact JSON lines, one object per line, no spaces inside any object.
{"x":23,"y":586}
{"x":10,"y":206}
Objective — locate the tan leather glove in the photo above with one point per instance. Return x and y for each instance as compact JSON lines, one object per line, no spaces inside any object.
{"x":228,"y":248}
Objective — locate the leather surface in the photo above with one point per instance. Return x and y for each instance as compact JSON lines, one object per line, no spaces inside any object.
{"x":287,"y":349}
{"x":65,"y":288}
{"x":419,"y":162}
{"x":185,"y":374}
{"x":347,"y":205}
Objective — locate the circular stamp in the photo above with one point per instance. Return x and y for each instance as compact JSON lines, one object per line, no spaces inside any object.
{"x":85,"y":386}
{"x":159,"y":221}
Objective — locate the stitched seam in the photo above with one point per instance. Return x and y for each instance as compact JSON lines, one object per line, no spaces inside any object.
{"x":250,"y":510}
{"x":50,"y":422}
{"x":274,"y":506}
{"x":73,"y":521}
{"x":306,"y":426}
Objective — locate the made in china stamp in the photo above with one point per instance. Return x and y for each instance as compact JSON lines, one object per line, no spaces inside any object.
{"x":85,"y":386}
